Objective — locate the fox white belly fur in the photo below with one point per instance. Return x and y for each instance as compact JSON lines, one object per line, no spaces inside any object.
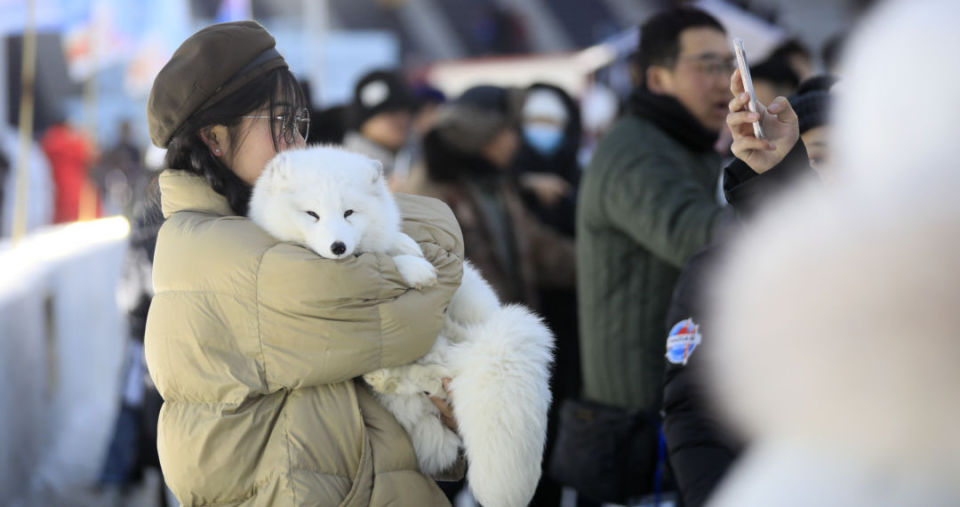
{"x":497,"y":357}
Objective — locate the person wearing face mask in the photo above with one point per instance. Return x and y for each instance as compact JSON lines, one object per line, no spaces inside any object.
{"x":546,"y":165}
{"x":469,"y":155}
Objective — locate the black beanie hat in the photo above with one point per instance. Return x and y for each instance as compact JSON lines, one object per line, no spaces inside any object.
{"x":812,"y":102}
{"x":377,"y":92}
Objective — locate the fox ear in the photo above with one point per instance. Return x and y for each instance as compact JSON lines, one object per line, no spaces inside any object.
{"x":277,"y":172}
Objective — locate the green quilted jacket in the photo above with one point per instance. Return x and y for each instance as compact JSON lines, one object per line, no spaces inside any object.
{"x":646,"y":204}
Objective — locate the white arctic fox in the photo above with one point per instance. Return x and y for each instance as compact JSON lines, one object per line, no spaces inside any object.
{"x":336,"y":203}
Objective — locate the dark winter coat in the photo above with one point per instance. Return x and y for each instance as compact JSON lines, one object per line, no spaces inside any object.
{"x":648,"y":201}
{"x":700,"y":450}
{"x":515,"y":253}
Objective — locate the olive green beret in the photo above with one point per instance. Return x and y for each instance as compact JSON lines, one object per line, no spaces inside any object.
{"x":210,"y":65}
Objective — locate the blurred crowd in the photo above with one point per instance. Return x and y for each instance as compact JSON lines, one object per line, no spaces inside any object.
{"x":609,"y":215}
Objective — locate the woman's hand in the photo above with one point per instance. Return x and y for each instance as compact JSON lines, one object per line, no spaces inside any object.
{"x":446,"y":411}
{"x":780,"y":128}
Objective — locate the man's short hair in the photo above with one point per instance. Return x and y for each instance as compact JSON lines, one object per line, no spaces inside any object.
{"x":660,"y":35}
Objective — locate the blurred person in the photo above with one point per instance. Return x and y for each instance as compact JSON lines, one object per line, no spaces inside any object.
{"x":331,"y":125}
{"x":427,"y":101}
{"x":255,"y":344}
{"x":812,"y":105}
{"x":120,"y":174}
{"x":327,"y":126}
{"x":599,"y":107}
{"x":410,"y":170}
{"x":772,"y":78}
{"x":648,"y":201}
{"x":701,"y":451}
{"x":831,"y":53}
{"x":71,"y":155}
{"x":797,"y":56}
{"x":469,"y":154}
{"x":546,"y":164}
{"x":380,"y":118}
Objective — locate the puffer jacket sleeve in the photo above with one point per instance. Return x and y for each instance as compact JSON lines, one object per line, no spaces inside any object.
{"x":324,"y":321}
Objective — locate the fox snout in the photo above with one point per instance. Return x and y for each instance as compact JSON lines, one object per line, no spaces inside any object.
{"x":338,"y":248}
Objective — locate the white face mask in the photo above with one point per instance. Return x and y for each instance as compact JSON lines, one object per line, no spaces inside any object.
{"x":545,"y":139}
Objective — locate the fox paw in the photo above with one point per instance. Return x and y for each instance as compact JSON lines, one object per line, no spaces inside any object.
{"x":416,"y":271}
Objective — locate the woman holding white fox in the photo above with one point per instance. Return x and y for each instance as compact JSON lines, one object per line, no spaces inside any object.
{"x":253,"y":343}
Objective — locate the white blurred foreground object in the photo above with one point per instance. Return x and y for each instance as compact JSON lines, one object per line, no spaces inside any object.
{"x":835,"y":318}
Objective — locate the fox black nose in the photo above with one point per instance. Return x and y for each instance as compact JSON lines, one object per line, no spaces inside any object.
{"x":338,"y":247}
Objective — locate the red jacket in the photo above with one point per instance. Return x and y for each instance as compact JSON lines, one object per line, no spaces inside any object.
{"x":70,"y":156}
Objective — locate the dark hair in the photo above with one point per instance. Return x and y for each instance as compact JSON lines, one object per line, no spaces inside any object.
{"x":278,"y":89}
{"x":832,"y":51}
{"x":789,"y":48}
{"x":660,"y":35}
{"x":776,"y":70}
{"x":822,"y":82}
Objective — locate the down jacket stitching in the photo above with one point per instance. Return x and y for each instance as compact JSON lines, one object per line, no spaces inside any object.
{"x":286,"y":428}
{"x":263,"y":357}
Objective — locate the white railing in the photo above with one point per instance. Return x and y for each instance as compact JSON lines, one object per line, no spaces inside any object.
{"x":62,"y":341}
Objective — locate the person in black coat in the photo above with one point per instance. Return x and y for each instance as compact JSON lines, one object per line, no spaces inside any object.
{"x":700,"y":450}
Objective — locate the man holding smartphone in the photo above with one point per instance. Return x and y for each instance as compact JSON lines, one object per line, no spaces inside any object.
{"x":650,"y":199}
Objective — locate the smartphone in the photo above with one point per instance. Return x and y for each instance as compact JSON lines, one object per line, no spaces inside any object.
{"x":747,"y":83}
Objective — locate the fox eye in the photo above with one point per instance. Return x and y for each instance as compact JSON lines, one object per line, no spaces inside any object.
{"x":347,"y":213}
{"x":314,"y":215}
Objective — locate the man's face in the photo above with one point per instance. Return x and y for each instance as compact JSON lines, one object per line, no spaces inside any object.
{"x":700,"y":76}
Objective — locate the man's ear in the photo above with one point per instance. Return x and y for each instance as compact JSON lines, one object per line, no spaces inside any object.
{"x":215,"y":138}
{"x":659,"y":79}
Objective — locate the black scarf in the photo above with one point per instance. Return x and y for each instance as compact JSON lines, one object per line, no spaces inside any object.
{"x":668,"y":114}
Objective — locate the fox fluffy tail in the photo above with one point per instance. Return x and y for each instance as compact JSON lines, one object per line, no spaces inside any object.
{"x":500,"y":399}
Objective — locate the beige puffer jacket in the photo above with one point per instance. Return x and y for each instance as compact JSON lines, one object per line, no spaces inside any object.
{"x":254,"y":345}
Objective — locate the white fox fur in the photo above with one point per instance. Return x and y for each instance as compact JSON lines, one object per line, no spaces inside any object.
{"x":497,"y":357}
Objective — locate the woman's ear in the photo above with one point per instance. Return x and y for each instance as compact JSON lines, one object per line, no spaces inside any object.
{"x":215,"y":138}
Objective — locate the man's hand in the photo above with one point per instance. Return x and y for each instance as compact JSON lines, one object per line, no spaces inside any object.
{"x":780,"y":128}
{"x":446,"y":411}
